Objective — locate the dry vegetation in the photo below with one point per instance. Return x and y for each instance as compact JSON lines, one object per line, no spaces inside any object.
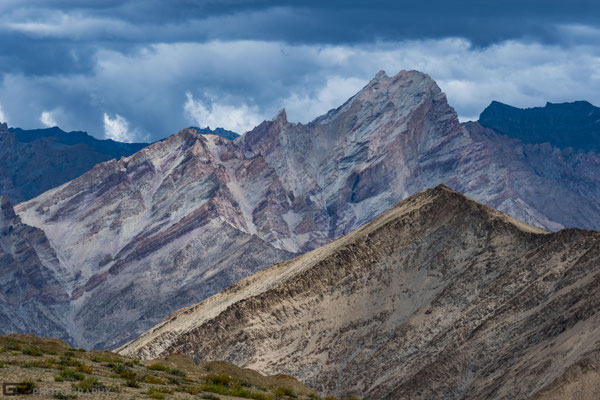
{"x":49,"y":368}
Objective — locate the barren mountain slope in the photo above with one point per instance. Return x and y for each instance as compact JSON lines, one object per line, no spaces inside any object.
{"x":438,"y":298}
{"x":32,"y":296}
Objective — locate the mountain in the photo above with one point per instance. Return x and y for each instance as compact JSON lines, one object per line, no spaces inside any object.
{"x":180,"y":220}
{"x":224,"y":133}
{"x":564,"y":125}
{"x":34,"y":161}
{"x":440,"y":297}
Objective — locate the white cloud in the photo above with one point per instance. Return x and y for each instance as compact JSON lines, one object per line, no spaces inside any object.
{"x":117,"y":129}
{"x":47,"y":119}
{"x":234,"y":118}
{"x":305,"y":107}
{"x":3,"y":115}
{"x":237,"y":84}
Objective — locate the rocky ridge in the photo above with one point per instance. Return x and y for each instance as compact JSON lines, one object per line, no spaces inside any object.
{"x":439,"y":297}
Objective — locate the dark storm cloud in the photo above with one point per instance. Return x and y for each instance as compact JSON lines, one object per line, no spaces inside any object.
{"x":143,"y":69}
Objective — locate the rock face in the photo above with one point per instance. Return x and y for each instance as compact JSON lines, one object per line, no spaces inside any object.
{"x":439,"y":297}
{"x":32,"y":297}
{"x":190,"y":215}
{"x":575,"y":125}
{"x":34,"y":161}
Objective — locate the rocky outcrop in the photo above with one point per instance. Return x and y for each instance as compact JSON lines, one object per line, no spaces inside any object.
{"x":564,"y":125}
{"x":440,"y":297}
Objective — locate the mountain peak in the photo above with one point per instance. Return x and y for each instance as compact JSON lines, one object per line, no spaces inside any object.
{"x":281,"y":116}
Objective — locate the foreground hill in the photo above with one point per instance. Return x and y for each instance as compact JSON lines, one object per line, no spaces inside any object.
{"x":45,"y":368}
{"x":180,"y":220}
{"x":440,"y":297}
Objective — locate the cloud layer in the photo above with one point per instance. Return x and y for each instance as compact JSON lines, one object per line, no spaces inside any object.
{"x":139,"y":71}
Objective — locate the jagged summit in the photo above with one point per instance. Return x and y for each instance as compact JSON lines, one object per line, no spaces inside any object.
{"x":281,"y":116}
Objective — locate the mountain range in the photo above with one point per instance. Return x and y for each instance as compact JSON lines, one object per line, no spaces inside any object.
{"x":439,"y":297}
{"x":114,"y":251}
{"x":36,"y":160}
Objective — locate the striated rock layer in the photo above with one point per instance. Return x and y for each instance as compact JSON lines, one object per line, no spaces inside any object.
{"x":190,"y":215}
{"x":440,"y":297}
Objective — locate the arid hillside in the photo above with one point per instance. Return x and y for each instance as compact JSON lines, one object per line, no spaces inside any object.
{"x":440,"y":297}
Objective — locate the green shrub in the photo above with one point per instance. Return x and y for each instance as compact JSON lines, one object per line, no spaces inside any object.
{"x":155,"y":380}
{"x":14,"y":346}
{"x":158,"y":367}
{"x":127,"y":374}
{"x":178,"y":372}
{"x":221,"y":379}
{"x":117,"y":367}
{"x":132,"y":382}
{"x":157,"y":393}
{"x":210,"y":396}
{"x":69,"y":362}
{"x":85,"y":369}
{"x":70,"y":375}
{"x":33,"y":351}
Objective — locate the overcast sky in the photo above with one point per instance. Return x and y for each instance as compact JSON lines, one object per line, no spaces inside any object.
{"x":142,"y":70}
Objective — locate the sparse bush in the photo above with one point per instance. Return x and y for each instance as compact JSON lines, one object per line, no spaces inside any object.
{"x":69,"y":353}
{"x":178,"y":372}
{"x":221,"y":379}
{"x":132,"y":382}
{"x":127,"y":374}
{"x":14,"y":346}
{"x":155,"y":380}
{"x":158,"y":367}
{"x":173,"y":380}
{"x":210,"y":396}
{"x":69,"y":362}
{"x":70,"y":375}
{"x":158,"y":393}
{"x":85,"y":369}
{"x":33,"y":351}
